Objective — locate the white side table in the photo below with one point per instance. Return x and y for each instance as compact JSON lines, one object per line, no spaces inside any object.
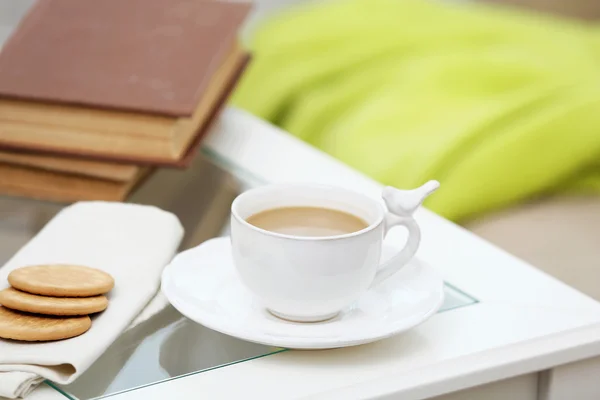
{"x":507,"y":330}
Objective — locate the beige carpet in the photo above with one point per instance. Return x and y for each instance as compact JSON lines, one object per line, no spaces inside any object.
{"x":560,"y":236}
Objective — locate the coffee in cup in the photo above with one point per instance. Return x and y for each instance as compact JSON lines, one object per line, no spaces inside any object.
{"x":307,"y":221}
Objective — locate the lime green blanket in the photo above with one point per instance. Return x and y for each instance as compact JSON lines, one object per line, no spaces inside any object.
{"x":498,"y":106}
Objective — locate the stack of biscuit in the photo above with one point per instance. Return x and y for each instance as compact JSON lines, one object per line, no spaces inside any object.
{"x":52,"y":302}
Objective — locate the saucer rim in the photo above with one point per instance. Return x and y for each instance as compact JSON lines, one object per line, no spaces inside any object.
{"x":291,"y":342}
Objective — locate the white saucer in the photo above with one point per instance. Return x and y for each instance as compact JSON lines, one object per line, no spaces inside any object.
{"x":203,"y":285}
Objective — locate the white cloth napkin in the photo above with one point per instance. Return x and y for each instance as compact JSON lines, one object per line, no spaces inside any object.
{"x":131,"y":242}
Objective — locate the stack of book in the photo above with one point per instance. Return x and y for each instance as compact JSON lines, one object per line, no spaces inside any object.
{"x":94,"y":95}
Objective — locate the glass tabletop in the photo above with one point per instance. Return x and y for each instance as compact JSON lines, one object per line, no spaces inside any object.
{"x":166,"y":346}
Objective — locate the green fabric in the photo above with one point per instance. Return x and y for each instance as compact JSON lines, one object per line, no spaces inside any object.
{"x":498,"y":106}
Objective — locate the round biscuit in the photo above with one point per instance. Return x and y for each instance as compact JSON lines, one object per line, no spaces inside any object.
{"x":61,"y":280}
{"x":33,"y":303}
{"x":16,"y":325}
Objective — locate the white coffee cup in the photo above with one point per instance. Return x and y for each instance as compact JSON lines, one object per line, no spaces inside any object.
{"x":310,"y":279}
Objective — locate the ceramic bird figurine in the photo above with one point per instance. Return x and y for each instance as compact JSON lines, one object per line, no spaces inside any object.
{"x":404,"y":203}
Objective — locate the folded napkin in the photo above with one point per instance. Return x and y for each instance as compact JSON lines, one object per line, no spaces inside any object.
{"x":131,"y":242}
{"x":498,"y":105}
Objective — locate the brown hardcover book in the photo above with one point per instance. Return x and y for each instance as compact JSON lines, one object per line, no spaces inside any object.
{"x":150,"y":56}
{"x":61,"y":187}
{"x":93,"y":169}
{"x":127,"y":81}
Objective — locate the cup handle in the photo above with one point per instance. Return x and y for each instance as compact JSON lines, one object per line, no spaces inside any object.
{"x":398,"y":261}
{"x":401,"y":205}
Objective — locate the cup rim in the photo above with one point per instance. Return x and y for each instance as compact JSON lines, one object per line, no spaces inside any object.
{"x":370,"y":227}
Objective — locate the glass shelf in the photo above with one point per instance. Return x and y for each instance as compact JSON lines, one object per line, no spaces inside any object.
{"x":169,"y":346}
